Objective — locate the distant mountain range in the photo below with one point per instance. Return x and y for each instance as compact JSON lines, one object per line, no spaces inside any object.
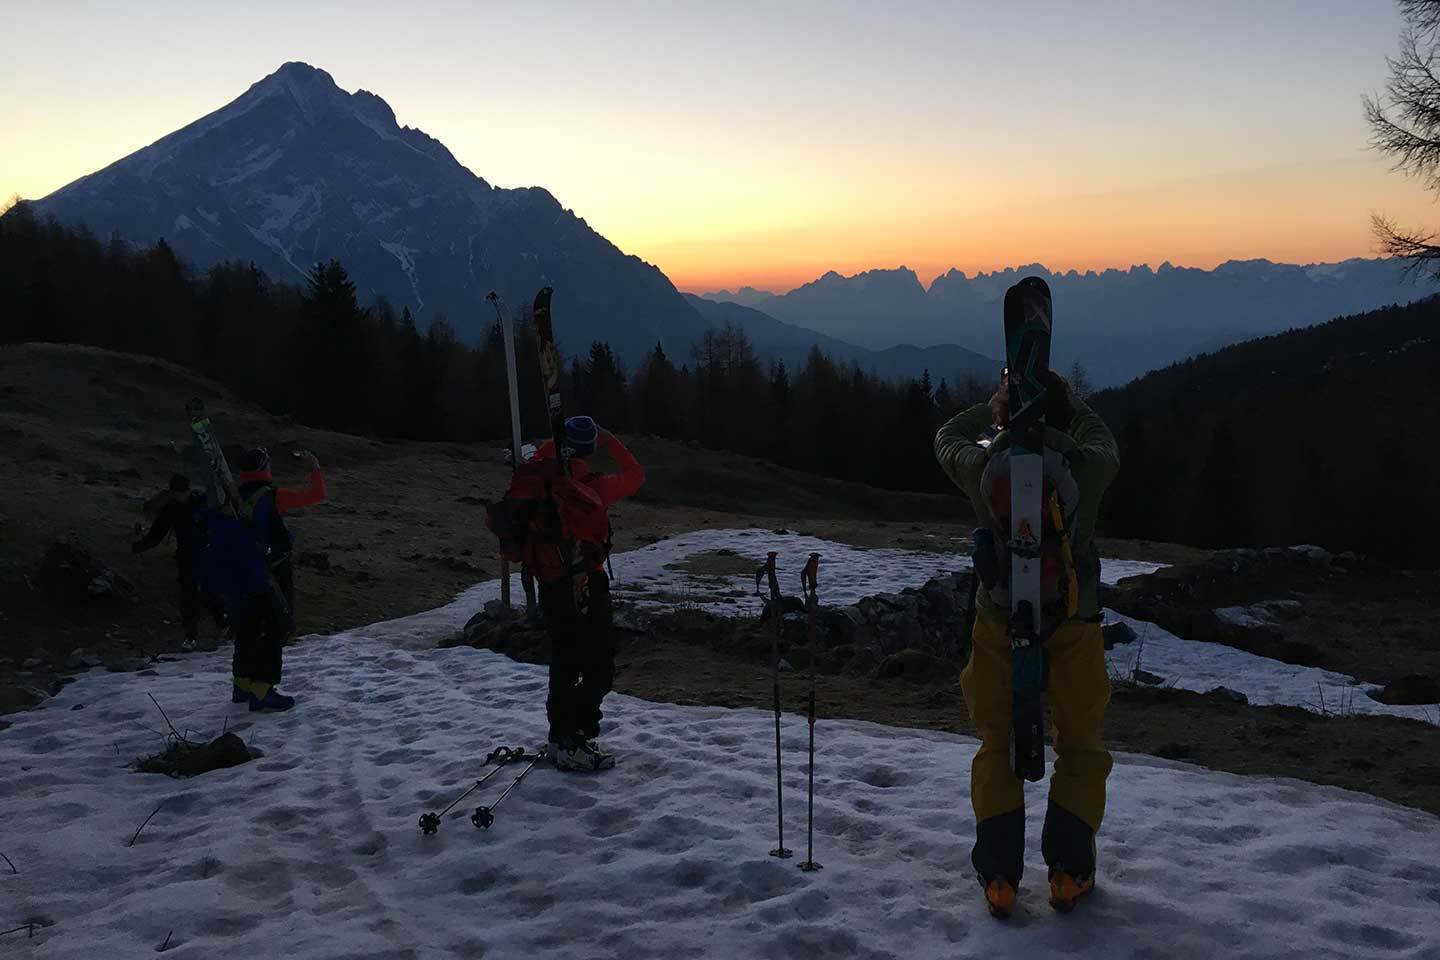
{"x":785,"y":341}
{"x":1118,"y":323}
{"x":296,"y":170}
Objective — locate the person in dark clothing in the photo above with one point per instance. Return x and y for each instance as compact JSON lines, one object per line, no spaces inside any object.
{"x":578,"y":616}
{"x":180,"y":514}
{"x":266,"y":505}
{"x":232,"y":567}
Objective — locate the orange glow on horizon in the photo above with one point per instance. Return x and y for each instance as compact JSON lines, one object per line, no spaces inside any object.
{"x":1312,"y":215}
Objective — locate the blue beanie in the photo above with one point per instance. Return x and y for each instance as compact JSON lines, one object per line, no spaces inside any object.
{"x":580,"y":436}
{"x":255,"y":461}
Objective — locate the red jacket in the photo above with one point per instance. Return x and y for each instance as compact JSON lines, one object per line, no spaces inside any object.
{"x":287,"y":500}
{"x":611,"y":487}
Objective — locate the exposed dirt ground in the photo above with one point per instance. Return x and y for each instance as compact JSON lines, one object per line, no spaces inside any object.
{"x":1389,"y":757}
{"x":86,"y":436}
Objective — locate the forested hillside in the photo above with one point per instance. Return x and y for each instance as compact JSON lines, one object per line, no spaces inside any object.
{"x":1327,"y":435}
{"x":317,"y":353}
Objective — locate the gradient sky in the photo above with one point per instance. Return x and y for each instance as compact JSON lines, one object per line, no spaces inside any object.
{"x":764,"y":143}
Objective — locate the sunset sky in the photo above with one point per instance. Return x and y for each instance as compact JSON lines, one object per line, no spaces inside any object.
{"x":764,"y":143}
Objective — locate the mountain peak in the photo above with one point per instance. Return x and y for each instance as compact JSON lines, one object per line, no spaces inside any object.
{"x":310,"y":89}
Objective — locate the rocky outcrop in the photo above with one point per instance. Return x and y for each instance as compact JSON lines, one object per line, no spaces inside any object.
{"x":76,"y":582}
{"x":917,"y":634}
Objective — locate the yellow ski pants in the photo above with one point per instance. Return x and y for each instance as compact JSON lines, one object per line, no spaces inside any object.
{"x":1077,"y":694}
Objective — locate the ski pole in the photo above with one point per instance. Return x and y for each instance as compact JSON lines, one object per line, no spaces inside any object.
{"x":777,"y":617}
{"x":483,"y":817}
{"x":809,"y":584}
{"x":512,"y":380}
{"x":430,"y":822}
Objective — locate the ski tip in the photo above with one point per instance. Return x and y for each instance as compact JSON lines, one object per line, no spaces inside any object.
{"x":1029,"y":291}
{"x":542,"y":299}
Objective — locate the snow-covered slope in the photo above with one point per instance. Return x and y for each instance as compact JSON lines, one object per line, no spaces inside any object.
{"x":314,"y":852}
{"x":297,"y":170}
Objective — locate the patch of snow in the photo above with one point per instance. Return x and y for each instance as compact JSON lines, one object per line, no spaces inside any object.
{"x":406,"y":256}
{"x":1199,"y":666}
{"x":847,"y":574}
{"x":257,"y":162}
{"x":314,"y":851}
{"x":277,"y":246}
{"x":1256,"y":614}
{"x":210,"y":215}
{"x":284,"y":212}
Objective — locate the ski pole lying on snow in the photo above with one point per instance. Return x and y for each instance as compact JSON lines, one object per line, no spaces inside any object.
{"x":430,"y":822}
{"x":483,"y":817}
{"x":777,"y":621}
{"x":809,"y":585}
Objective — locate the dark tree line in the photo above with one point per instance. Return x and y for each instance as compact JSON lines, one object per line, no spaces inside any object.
{"x":316,"y":352}
{"x":1323,"y":435}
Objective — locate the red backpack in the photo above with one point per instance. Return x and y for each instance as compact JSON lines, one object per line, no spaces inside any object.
{"x":555,"y":525}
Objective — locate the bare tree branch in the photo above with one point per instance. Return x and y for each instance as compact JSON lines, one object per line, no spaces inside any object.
{"x":1419,"y":250}
{"x":1405,"y":125}
{"x":1423,"y":15}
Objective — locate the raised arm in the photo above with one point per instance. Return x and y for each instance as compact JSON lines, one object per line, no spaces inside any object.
{"x":958,"y":450}
{"x":614,"y":487}
{"x":287,"y":500}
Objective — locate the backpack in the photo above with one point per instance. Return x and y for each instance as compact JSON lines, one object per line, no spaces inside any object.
{"x":232,"y":565}
{"x":555,"y":525}
{"x":265,"y":521}
{"x":1060,"y":507}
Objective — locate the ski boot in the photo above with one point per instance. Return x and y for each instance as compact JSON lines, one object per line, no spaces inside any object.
{"x":999,"y":897}
{"x":572,"y":754}
{"x":273,"y":700}
{"x":1066,"y":891}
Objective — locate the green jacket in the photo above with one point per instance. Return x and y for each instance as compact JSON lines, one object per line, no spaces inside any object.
{"x":1094,"y":461}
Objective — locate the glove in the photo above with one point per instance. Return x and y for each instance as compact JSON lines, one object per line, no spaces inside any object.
{"x":1059,"y":402}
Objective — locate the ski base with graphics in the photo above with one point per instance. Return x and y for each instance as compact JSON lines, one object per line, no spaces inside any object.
{"x":1027,"y":352}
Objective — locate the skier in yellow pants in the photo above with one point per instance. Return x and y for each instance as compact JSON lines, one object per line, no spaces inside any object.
{"x":1081,"y":452}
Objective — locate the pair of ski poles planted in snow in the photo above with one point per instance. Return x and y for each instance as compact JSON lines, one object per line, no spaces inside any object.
{"x":809,"y":583}
{"x":484,"y":816}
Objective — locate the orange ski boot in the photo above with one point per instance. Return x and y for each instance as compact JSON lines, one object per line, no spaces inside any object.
{"x":1066,"y":891}
{"x":1000,"y":897}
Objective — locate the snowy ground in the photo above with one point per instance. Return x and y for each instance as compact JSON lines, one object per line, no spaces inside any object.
{"x":314,"y":852}
{"x":653,"y":577}
{"x":645,"y":575}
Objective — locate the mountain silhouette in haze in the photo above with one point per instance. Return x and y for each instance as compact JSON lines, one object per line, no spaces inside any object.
{"x":1118,"y":323}
{"x":792,"y":344}
{"x":296,"y":170}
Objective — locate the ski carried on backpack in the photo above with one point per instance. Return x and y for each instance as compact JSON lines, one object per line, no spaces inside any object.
{"x":550,"y":375}
{"x":547,"y":520}
{"x":1027,"y":353}
{"x":222,"y":488}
